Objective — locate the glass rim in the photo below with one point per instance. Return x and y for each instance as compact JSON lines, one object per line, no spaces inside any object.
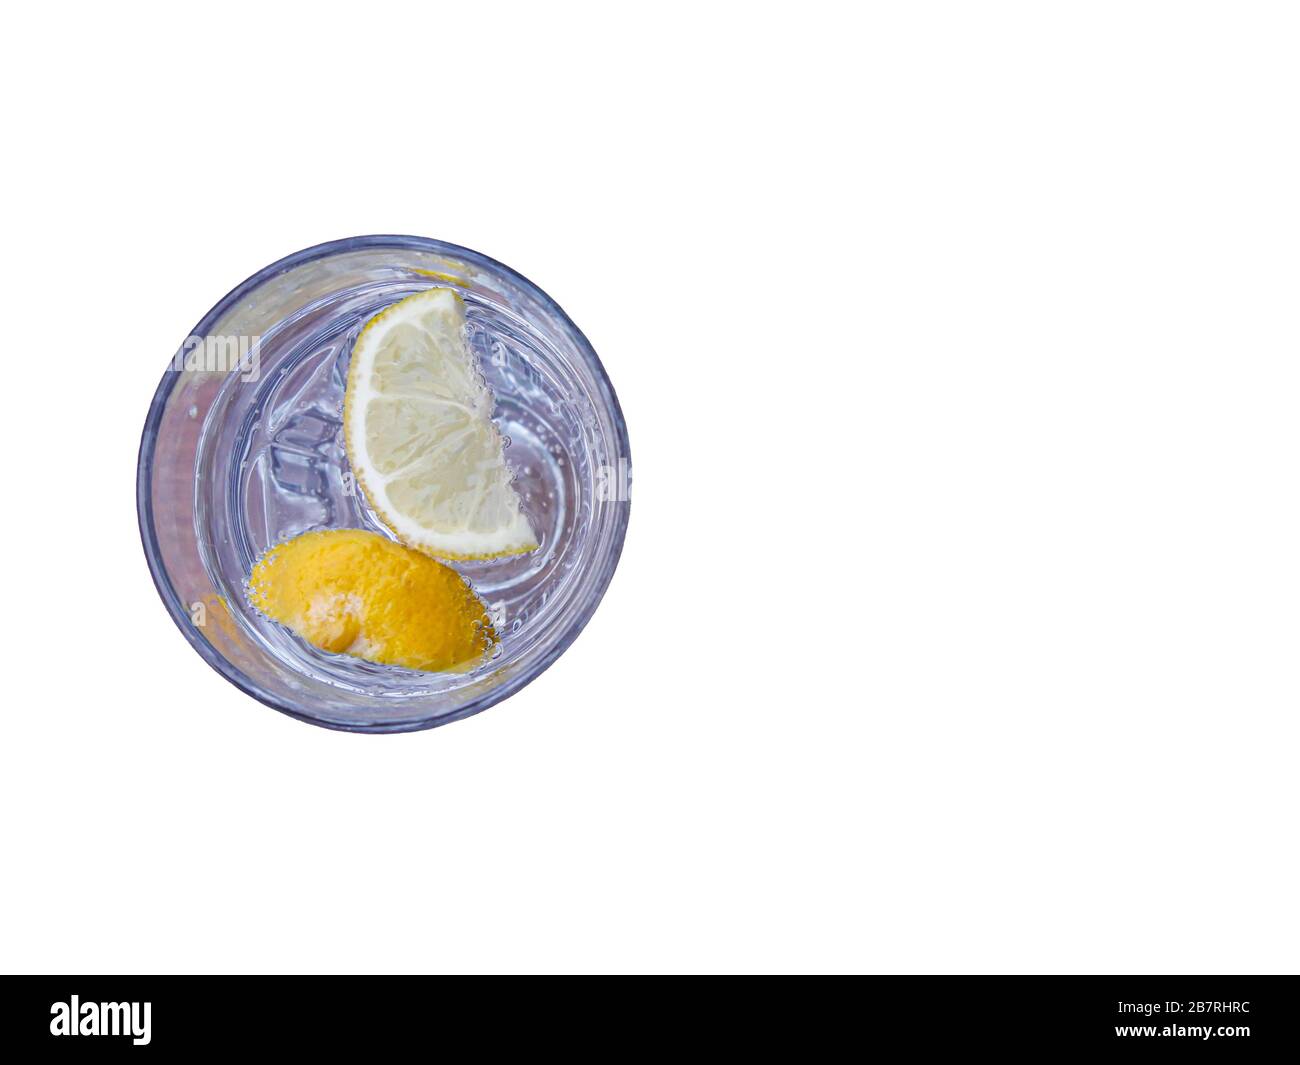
{"x":144,"y":486}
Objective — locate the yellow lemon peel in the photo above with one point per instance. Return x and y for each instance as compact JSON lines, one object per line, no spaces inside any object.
{"x":355,"y":592}
{"x":437,"y":275}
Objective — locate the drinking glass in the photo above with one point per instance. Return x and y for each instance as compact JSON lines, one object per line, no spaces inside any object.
{"x":243,"y":448}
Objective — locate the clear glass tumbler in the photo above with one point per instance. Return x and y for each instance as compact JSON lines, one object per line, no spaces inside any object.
{"x":243,"y":448}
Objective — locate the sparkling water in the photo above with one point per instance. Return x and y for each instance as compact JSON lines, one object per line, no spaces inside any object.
{"x":270,"y":463}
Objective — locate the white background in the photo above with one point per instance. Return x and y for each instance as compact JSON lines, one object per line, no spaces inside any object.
{"x":957,"y":624}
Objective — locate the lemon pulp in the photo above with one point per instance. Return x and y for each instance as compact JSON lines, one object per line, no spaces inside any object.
{"x":354,"y":592}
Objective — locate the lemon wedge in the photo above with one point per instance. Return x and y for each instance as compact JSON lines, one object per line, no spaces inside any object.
{"x":355,"y":592}
{"x":417,"y":419}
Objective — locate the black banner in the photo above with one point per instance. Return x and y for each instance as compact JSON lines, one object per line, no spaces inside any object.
{"x":1221,"y":1017}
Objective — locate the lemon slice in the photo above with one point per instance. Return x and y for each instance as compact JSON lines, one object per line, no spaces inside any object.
{"x":417,"y":418}
{"x":355,"y":592}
